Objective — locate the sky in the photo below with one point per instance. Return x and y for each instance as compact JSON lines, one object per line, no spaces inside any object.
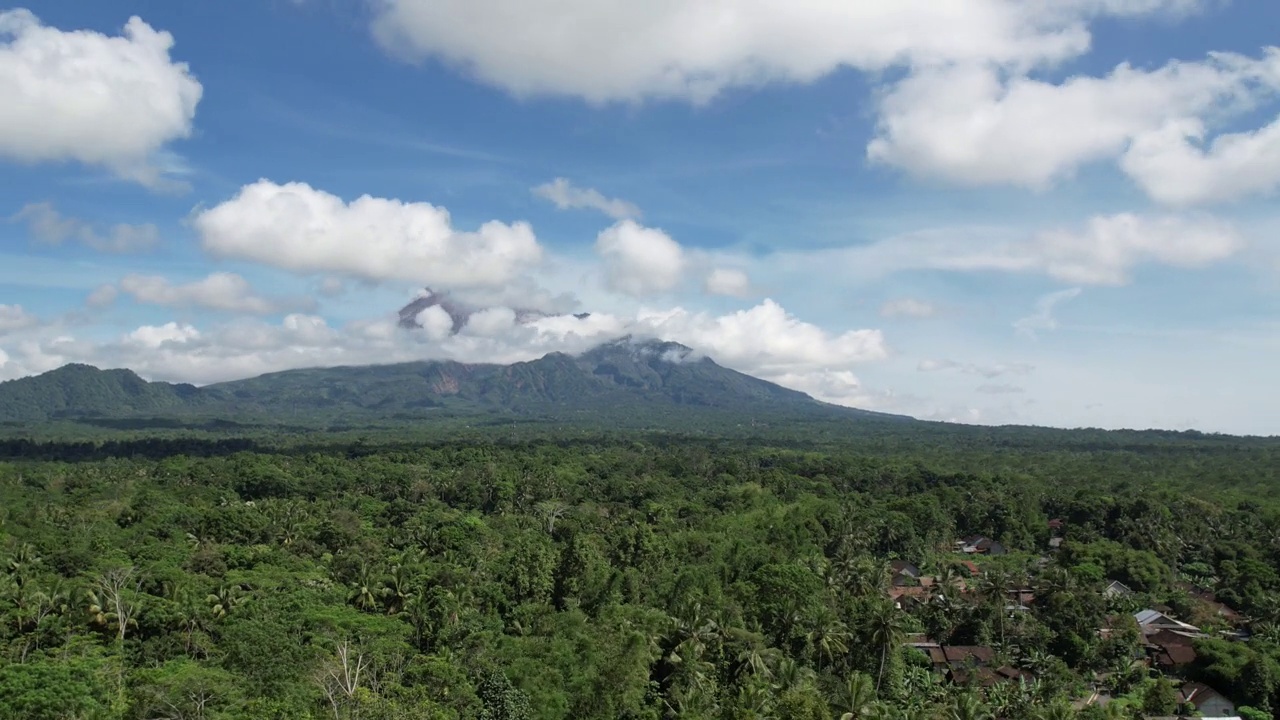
{"x":1051,"y":212}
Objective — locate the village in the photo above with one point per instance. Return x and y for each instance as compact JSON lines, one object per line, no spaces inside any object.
{"x":1163,"y":646}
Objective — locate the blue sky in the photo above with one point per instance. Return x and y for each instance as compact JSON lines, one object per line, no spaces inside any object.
{"x":1058,"y":213}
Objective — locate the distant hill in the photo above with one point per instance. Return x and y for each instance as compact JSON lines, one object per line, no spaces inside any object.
{"x":85,"y":391}
{"x":626,"y":383}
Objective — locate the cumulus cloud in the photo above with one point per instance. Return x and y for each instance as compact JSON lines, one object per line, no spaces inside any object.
{"x":111,"y":101}
{"x":615,"y":50}
{"x":987,"y":371}
{"x":152,"y":337}
{"x":1179,"y":165}
{"x":49,"y":226}
{"x":226,"y":292}
{"x":13,"y":318}
{"x":1043,"y":318}
{"x":908,"y":308}
{"x":764,"y":340}
{"x":975,"y":124}
{"x":302,"y":229}
{"x":1105,"y":251}
{"x":727,"y":281}
{"x":566,"y":196}
{"x":639,"y":260}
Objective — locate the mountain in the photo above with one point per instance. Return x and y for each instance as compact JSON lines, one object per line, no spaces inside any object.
{"x":83,"y":390}
{"x":625,"y":383}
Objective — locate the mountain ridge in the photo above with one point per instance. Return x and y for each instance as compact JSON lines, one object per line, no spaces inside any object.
{"x":627,"y":381}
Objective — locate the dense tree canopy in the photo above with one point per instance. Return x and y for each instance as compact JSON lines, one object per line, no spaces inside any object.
{"x":633,"y":577}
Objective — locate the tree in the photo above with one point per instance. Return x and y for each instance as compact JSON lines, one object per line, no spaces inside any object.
{"x":857,"y":697}
{"x":114,"y":599}
{"x":342,"y":676}
{"x":501,"y":700}
{"x":886,"y":633}
{"x":1160,"y":698}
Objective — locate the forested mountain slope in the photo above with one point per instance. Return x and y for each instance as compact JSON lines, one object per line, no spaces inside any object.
{"x":629,"y":383}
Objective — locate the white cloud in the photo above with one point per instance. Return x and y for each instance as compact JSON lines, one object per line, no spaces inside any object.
{"x":616,"y":50}
{"x":987,"y":371}
{"x":88,"y":97}
{"x":566,"y":196}
{"x":1043,"y":319}
{"x":908,"y":307}
{"x":14,"y":318}
{"x":49,"y":226}
{"x":639,"y":260}
{"x":1104,"y":252}
{"x":222,"y":291}
{"x":727,"y":281}
{"x":1175,"y":166}
{"x":491,"y":322}
{"x":765,"y":340}
{"x":305,"y":230}
{"x":1111,"y":246}
{"x":156,"y":336}
{"x":975,"y":124}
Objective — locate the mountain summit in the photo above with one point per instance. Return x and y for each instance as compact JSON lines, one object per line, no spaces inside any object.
{"x":625,"y":383}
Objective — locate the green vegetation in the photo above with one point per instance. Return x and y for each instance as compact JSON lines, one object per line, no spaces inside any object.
{"x":328,"y":576}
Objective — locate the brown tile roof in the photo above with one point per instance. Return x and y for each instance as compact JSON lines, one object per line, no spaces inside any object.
{"x":1175,"y":655}
{"x":964,"y":653}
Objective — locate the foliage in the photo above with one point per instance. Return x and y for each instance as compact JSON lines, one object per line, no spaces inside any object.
{"x":634,"y":577}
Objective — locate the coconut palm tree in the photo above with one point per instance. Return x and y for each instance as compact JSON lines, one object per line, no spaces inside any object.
{"x":969,"y":706}
{"x":224,"y":599}
{"x":364,"y":593}
{"x":857,"y":697}
{"x":829,"y":637}
{"x":887,"y":631}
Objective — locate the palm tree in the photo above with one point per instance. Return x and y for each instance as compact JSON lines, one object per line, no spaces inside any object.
{"x":829,"y":636}
{"x":397,"y":589}
{"x":886,"y":632}
{"x":190,"y":617}
{"x":969,"y":707}
{"x":791,"y":675}
{"x":223,"y":600}
{"x":364,"y":594}
{"x":857,"y":697}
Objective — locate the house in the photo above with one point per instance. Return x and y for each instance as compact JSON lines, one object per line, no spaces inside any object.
{"x":955,"y":657}
{"x":1173,"y":658}
{"x":904,"y":573}
{"x":1205,"y":701}
{"x":986,"y":677}
{"x":903,"y":595}
{"x":979,"y":545}
{"x":972,"y":567}
{"x":1055,"y":543}
{"x":1117,"y":589}
{"x":1164,"y":637}
{"x":1156,"y":620}
{"x":1207,"y":598}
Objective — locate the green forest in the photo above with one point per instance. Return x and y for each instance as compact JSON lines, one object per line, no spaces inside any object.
{"x":938,"y":575}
